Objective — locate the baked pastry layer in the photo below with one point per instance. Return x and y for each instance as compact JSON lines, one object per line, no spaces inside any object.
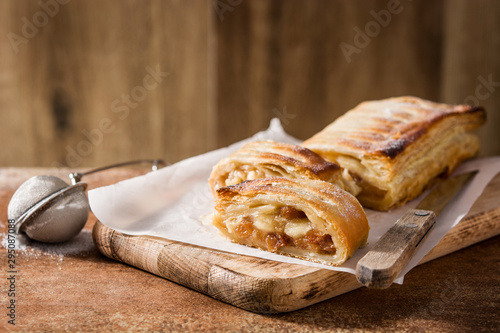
{"x":395,"y":147}
{"x":309,"y":219}
{"x":261,"y":159}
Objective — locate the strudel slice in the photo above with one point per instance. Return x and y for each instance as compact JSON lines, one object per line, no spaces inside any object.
{"x":309,"y":219}
{"x":261,"y":159}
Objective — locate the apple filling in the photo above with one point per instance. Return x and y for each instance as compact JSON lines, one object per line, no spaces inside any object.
{"x":284,"y":227}
{"x":241,"y":174}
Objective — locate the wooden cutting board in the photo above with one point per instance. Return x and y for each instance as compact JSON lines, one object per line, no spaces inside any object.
{"x":265,"y":286}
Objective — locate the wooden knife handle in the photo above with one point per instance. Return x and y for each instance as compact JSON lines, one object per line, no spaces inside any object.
{"x":382,"y":264}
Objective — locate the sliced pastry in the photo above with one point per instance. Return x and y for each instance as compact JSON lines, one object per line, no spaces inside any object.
{"x":261,"y":159}
{"x":309,"y":219}
{"x":395,"y":147}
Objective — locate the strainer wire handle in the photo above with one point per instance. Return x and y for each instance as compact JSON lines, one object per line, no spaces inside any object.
{"x":77,"y":176}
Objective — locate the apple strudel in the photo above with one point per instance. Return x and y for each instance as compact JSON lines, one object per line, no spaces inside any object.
{"x":309,"y":219}
{"x":262,"y":159}
{"x":395,"y":147}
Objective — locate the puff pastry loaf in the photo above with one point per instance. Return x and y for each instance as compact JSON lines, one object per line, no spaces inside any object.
{"x":309,"y":219}
{"x":395,"y":147}
{"x":261,"y":159}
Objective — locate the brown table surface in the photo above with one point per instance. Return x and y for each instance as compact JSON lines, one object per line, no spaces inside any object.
{"x":74,"y":288}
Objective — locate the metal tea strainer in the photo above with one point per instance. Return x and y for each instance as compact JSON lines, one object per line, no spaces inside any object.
{"x":49,"y":210}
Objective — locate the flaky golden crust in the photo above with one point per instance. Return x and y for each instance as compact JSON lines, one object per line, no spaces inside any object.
{"x":322,"y":210}
{"x":262,"y":159}
{"x":395,"y":147}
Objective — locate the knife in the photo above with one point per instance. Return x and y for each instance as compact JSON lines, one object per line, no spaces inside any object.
{"x":383,"y":263}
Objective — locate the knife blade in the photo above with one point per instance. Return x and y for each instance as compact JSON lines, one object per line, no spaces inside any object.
{"x":383,"y":263}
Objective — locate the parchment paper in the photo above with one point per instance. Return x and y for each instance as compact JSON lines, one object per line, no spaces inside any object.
{"x":172,"y":202}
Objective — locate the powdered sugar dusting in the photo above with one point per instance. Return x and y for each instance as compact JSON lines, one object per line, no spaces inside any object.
{"x":80,"y":244}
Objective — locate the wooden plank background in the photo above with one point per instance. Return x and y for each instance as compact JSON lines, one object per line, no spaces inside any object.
{"x":76,"y":83}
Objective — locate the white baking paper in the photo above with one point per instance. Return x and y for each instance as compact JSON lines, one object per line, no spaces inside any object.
{"x":172,"y":201}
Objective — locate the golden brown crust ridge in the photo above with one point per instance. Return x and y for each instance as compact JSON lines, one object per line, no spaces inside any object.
{"x":388,"y":126}
{"x":298,"y":156}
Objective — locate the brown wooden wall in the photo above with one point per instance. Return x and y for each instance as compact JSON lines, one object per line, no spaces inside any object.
{"x":89,"y":82}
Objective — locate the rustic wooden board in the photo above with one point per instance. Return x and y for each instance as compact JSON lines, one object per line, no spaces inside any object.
{"x":266,"y":286}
